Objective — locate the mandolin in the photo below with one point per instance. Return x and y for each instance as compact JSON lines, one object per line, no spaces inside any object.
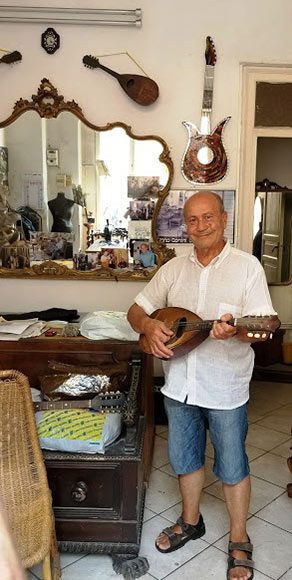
{"x":11,"y":57}
{"x":142,"y":90}
{"x":190,"y":330}
{"x":204,"y":159}
{"x":104,"y":403}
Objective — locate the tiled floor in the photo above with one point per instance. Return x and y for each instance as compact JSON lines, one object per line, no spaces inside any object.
{"x":270,"y":519}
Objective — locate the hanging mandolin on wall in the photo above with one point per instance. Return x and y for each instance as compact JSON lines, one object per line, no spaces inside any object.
{"x":11,"y":57}
{"x":205,"y":159}
{"x":142,"y":90}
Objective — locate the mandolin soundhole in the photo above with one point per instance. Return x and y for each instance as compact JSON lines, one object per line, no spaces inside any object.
{"x":180,"y":326}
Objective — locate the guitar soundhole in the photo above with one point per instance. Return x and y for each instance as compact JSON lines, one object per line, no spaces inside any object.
{"x":205,"y":155}
{"x":130,"y":83}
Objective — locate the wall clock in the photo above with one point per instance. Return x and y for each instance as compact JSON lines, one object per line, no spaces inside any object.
{"x":50,"y":40}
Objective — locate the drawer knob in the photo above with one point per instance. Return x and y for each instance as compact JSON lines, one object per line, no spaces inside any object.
{"x":79,"y":491}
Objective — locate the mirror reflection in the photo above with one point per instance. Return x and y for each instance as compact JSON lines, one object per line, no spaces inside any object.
{"x":80,"y":196}
{"x":272,"y":235}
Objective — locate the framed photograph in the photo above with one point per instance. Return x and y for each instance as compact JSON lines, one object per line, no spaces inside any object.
{"x":171,"y":227}
{"x":141,"y":210}
{"x":108,"y":257}
{"x":143,"y":187}
{"x":51,"y":246}
{"x":3,"y":160}
{"x":143,"y":255}
{"x":139,"y":229}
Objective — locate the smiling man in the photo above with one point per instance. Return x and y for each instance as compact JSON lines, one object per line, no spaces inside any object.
{"x":208,"y":387}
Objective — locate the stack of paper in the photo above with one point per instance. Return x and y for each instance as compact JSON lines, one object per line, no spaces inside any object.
{"x":16,"y":329}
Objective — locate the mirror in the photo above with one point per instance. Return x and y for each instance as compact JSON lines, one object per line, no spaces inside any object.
{"x":272,"y":235}
{"x":82,"y":200}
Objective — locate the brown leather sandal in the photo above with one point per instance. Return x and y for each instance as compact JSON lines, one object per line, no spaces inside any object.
{"x":189,"y":532}
{"x":247,"y":563}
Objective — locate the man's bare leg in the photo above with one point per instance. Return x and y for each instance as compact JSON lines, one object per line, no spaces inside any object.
{"x":191,"y":485}
{"x":237,"y":498}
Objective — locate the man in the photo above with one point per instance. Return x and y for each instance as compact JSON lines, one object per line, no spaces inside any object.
{"x":209,"y":386}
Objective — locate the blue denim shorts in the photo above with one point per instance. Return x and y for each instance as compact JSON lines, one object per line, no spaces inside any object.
{"x":187,"y":439}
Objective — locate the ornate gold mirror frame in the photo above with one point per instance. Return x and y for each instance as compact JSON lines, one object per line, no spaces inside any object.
{"x":49,"y":104}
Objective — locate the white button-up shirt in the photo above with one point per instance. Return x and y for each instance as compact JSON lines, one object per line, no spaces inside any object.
{"x":216,"y":374}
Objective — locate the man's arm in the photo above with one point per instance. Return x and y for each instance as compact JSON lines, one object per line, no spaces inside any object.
{"x":156,"y":332}
{"x":10,"y":565}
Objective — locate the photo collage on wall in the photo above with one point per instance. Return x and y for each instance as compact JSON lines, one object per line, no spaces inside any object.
{"x":142,"y":194}
{"x":171,"y":227}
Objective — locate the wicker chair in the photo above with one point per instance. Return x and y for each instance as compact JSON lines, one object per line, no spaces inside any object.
{"x":23,"y":479}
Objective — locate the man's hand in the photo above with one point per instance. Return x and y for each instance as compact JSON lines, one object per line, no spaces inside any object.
{"x":157,"y":334}
{"x":221,"y":330}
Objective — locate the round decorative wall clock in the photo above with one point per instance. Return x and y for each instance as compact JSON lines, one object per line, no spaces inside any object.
{"x":50,"y":40}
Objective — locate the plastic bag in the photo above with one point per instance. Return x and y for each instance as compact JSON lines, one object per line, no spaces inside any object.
{"x":107,"y":324}
{"x":77,"y":430}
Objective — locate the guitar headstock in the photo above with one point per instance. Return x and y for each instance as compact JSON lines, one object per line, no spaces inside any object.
{"x":90,"y":61}
{"x":110,"y":402}
{"x":267,"y":323}
{"x":11,"y":57}
{"x":210,"y":52}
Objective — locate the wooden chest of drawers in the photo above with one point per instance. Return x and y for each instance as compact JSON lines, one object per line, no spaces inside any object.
{"x":97,"y":499}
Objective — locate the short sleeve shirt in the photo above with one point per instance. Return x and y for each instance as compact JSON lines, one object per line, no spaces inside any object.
{"x":217,"y":373}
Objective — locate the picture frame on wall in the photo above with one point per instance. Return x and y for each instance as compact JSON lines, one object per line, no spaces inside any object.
{"x":143,"y":187}
{"x":171,"y":227}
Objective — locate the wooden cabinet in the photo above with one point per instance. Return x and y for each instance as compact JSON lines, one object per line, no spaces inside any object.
{"x":98,"y":499}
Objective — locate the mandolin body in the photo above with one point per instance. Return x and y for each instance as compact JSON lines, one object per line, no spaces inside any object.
{"x":183,"y":341}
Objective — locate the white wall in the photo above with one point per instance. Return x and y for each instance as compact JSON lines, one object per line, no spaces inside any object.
{"x":170,"y":47}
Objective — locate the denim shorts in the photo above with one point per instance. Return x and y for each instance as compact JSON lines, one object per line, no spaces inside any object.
{"x":187,"y":439}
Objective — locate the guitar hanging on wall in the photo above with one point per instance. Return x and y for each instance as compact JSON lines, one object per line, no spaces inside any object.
{"x":205,"y":159}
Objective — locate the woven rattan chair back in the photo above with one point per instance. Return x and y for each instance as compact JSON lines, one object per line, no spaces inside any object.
{"x":23,"y":479}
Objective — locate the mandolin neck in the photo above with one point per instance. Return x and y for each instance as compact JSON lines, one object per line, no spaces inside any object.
{"x":47,"y":405}
{"x":108,"y":70}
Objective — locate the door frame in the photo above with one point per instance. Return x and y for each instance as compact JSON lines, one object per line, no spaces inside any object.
{"x":250,"y":75}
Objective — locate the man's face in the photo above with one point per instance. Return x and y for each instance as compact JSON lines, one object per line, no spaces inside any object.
{"x":144,"y":248}
{"x":205,"y":222}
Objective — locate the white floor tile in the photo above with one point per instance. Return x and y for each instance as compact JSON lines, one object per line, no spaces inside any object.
{"x":163,"y":492}
{"x":92,"y":567}
{"x":280,"y":423}
{"x":66,"y":560}
{"x":272,"y":468}
{"x":287,"y":576}
{"x":264,"y":438}
{"x":163,"y":564}
{"x":262,"y":493}
{"x":283,"y":449}
{"x":160,"y":454}
{"x":160,"y":429}
{"x":209,"y":564}
{"x":148,"y":514}
{"x":279,"y":512}
{"x":272,"y":547}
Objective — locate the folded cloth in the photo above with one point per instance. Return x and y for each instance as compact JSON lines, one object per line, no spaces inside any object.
{"x":50,"y":314}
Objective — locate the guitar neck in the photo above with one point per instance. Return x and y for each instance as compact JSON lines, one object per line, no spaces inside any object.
{"x":205,"y":126}
{"x":52,"y":405}
{"x":108,"y":70}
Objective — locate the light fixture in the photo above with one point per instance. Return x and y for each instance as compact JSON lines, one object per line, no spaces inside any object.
{"x":102,"y":168}
{"x":57,"y":15}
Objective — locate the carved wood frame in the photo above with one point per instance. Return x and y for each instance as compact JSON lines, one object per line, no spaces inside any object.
{"x":48,"y":103}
